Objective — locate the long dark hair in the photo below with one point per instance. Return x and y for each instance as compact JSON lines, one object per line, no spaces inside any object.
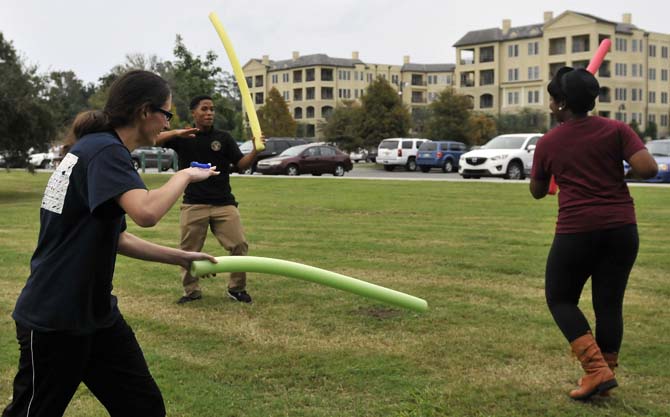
{"x":128,"y":96}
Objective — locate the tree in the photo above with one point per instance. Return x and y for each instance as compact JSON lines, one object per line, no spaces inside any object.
{"x":67,"y":96}
{"x":341,"y":126}
{"x":525,"y":121}
{"x":383,"y":114}
{"x":274,"y":116}
{"x":420,"y":117}
{"x":651,"y":131}
{"x":636,"y":128}
{"x":450,"y":113}
{"x":25,"y":119}
{"x":481,"y":128}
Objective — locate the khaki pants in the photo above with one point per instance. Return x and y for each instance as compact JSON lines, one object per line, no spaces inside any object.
{"x":226,"y":224}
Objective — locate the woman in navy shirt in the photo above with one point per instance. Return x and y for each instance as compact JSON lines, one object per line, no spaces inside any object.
{"x":68,"y":324}
{"x":596,"y":231}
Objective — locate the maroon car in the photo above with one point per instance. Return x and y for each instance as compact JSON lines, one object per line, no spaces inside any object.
{"x":313,"y":158}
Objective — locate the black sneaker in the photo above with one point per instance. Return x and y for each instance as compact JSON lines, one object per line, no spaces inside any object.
{"x":241,"y":296}
{"x":189,"y":298}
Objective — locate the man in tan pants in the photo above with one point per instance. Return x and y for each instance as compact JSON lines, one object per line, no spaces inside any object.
{"x":209,"y":204}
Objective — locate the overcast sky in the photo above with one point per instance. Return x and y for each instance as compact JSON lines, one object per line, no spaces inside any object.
{"x":91,"y":36}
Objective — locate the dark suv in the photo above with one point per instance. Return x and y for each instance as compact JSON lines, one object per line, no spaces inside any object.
{"x":273,"y":147}
{"x":154,"y":157}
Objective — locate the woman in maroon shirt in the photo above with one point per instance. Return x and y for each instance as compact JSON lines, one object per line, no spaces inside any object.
{"x":596,"y":231}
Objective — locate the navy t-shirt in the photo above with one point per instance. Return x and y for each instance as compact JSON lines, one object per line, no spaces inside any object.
{"x":217,"y":148}
{"x":70,"y":283}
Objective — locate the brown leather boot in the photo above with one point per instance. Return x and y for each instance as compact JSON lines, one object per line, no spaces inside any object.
{"x":612,"y":360}
{"x":599,"y":377}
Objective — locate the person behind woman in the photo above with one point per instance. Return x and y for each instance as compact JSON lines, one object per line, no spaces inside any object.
{"x":68,"y":324}
{"x":596,"y":233}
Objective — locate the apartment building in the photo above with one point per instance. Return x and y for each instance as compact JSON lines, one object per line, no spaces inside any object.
{"x":314,"y":85}
{"x":506,"y":69}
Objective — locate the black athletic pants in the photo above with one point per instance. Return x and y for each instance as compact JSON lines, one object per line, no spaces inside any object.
{"x":607,"y":256}
{"x":110,"y":363}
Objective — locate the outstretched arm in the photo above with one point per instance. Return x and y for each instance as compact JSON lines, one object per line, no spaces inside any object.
{"x":188,"y":132}
{"x":247,"y":160}
{"x":147,"y":207}
{"x":135,"y":247}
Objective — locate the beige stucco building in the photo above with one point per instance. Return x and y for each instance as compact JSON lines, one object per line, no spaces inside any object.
{"x":313,"y":85}
{"x":502,"y":69}
{"x":505,"y":69}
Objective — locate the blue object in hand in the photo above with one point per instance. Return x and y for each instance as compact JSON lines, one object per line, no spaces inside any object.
{"x":199,"y":165}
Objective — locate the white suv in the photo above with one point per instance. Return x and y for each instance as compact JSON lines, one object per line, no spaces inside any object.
{"x":508,"y":156}
{"x":399,"y":152}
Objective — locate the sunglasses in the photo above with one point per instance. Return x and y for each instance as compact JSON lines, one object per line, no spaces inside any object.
{"x":166,"y":113}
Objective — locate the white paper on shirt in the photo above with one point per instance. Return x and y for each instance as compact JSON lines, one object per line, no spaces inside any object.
{"x":54,"y":195}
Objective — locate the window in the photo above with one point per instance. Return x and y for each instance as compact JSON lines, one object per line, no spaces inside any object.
{"x":633,"y":94}
{"x":309,"y":94}
{"x":486,"y":54}
{"x":310,"y":112}
{"x":557,"y":46}
{"x":620,"y":70}
{"x":394,"y":79}
{"x":286,"y":95}
{"x":664,"y":98}
{"x":285,"y":77}
{"x":621,"y":44}
{"x":297,"y":113}
{"x":513,"y":50}
{"x":326,"y":93}
{"x":652,"y":50}
{"x":513,"y":74}
{"x":652,"y":73}
{"x":664,"y":120}
{"x":664,"y":51}
{"x":664,"y":75}
{"x":486,"y":77}
{"x":534,"y":97}
{"x":259,"y":98}
{"x":633,"y":45}
{"x":259,"y":81}
{"x":297,"y":94}
{"x":652,"y":97}
{"x":250,"y":81}
{"x":580,"y":43}
{"x":297,"y":76}
{"x":309,"y":74}
{"x":533,"y":48}
{"x":534,"y":73}
{"x":513,"y":98}
{"x":406,"y":144}
{"x":275,"y":78}
{"x":485,"y":101}
{"x":326,"y":74}
{"x":651,"y":118}
{"x":620,"y":94}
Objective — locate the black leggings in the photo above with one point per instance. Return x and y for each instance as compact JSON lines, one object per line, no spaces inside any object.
{"x":110,"y":363}
{"x":607,"y":256}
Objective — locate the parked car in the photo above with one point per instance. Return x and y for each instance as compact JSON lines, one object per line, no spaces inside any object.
{"x":508,"y":156}
{"x":440,"y":154}
{"x":273,"y":147}
{"x":153,"y":156}
{"x":398,"y":152}
{"x":359,"y":155}
{"x":660,"y":150}
{"x":312,"y":158}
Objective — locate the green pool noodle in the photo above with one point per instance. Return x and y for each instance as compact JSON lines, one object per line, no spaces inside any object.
{"x":308,"y":273}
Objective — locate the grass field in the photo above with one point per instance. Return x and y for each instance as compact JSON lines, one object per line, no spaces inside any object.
{"x":475,"y":251}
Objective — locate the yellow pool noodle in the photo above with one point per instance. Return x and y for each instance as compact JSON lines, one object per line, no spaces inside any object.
{"x":241,"y":82}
